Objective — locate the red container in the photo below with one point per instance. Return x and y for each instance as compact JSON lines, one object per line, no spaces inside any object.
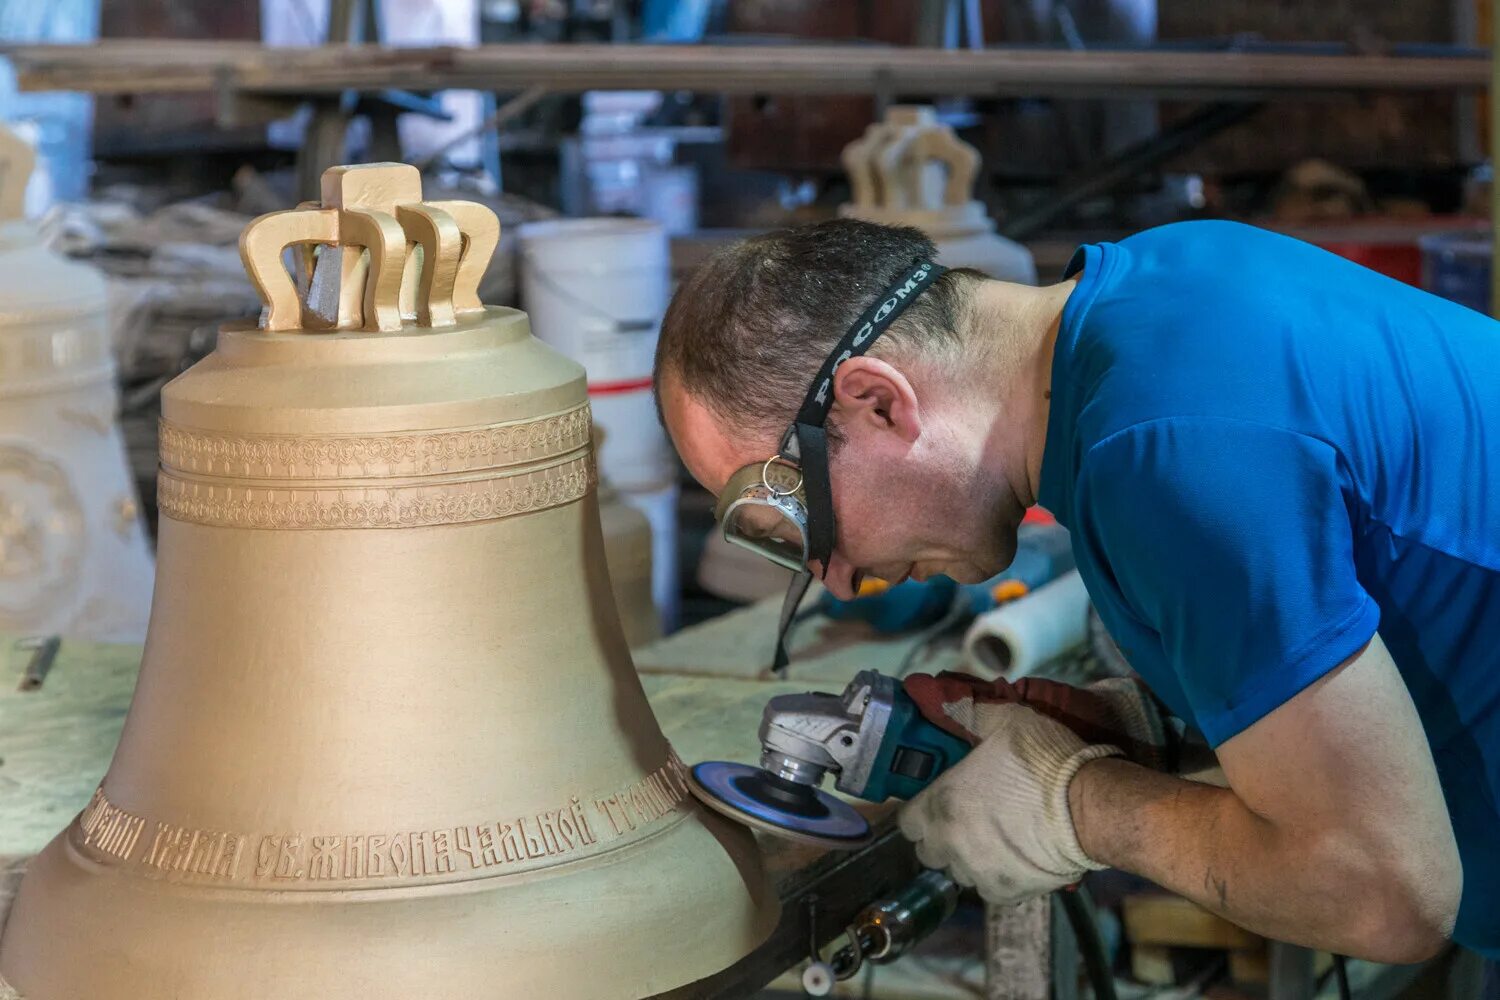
{"x":1386,"y":245}
{"x":1402,"y":261}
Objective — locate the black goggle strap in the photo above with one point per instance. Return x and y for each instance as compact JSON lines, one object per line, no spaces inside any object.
{"x":817,"y":491}
{"x":789,"y":605}
{"x":806,"y":441}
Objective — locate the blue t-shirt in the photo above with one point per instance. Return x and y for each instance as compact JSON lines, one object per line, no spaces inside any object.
{"x":1266,"y":454}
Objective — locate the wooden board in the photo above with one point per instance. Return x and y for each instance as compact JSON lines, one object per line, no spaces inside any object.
{"x":121,"y":66}
{"x":131,"y":125}
{"x":1152,"y":919}
{"x":1152,"y":964}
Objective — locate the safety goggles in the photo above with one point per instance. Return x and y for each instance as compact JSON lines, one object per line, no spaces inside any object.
{"x":763,"y":508}
{"x":782,"y":508}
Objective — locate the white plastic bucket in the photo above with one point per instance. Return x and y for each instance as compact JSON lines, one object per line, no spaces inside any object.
{"x":660,"y":508}
{"x":596,"y":290}
{"x":669,"y":195}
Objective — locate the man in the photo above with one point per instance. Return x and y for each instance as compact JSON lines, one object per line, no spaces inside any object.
{"x":1282,"y":476}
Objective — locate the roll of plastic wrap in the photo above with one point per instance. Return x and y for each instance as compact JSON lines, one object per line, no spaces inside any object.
{"x":1016,"y":638}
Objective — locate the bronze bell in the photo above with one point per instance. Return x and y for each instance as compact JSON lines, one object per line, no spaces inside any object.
{"x":387,"y":739}
{"x":74,"y":559}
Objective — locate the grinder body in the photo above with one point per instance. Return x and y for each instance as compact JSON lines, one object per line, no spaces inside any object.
{"x":909,"y":755}
{"x":872,"y":737}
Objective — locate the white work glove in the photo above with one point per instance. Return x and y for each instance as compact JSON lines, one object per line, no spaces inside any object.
{"x":999,"y":820}
{"x":1153,"y":737}
{"x":1117,"y":711}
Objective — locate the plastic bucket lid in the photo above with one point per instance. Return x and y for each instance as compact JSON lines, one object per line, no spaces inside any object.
{"x":594,"y":245}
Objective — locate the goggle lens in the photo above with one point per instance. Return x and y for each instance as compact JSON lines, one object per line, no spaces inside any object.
{"x":769,"y":527}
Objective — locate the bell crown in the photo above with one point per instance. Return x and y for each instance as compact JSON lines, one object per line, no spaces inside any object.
{"x":371,"y":256}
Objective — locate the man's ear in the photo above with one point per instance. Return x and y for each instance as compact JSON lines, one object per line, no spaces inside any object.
{"x":872,"y":394}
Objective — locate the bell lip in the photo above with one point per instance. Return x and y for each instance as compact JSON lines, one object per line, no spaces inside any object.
{"x":738,"y":887}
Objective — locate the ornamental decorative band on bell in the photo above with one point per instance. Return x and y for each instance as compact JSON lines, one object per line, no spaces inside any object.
{"x":386,"y":394}
{"x":417,"y":453}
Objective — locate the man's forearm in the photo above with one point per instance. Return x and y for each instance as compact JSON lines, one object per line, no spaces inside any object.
{"x":1203,"y":842}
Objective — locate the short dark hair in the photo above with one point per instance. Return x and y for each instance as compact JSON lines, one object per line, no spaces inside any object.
{"x":747,"y":331}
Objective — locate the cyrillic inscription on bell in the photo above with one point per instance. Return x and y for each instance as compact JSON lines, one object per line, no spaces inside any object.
{"x":74,"y":559}
{"x":387,"y":739}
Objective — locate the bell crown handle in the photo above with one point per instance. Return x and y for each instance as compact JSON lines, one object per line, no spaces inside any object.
{"x":889,"y":165}
{"x":941,"y":145}
{"x":373,"y":256}
{"x":860,"y":171}
{"x":261,"y":247}
{"x":480,"y":228}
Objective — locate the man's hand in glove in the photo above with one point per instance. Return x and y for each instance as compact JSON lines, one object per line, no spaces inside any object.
{"x":999,"y":820}
{"x":1118,"y":711}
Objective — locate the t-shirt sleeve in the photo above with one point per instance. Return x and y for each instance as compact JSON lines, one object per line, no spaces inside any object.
{"x":1233,"y":542}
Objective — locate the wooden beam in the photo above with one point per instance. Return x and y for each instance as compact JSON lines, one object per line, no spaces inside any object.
{"x":1164,"y":919}
{"x":119,"y":66}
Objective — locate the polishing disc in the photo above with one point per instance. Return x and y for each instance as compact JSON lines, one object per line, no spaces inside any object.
{"x":762,"y":801}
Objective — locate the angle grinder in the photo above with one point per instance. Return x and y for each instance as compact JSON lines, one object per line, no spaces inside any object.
{"x":871,"y":737}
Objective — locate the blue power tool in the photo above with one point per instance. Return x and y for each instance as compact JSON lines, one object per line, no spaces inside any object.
{"x":871,"y":737}
{"x":1043,"y":553}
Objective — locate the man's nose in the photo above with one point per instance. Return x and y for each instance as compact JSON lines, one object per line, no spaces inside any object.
{"x":839,"y":580}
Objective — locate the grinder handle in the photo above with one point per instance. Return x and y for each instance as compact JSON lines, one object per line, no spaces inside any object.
{"x":912,"y":753}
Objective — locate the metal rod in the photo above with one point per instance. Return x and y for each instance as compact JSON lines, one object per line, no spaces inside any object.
{"x":504,"y":113}
{"x":43,"y":653}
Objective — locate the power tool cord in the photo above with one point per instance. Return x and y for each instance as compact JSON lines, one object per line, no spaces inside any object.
{"x":1339,"y":972}
{"x":951,"y":617}
{"x":1080,"y":912}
